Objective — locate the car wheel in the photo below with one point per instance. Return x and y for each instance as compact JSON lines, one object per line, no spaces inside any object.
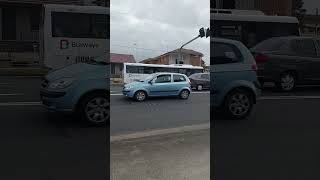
{"x":95,"y":108}
{"x":238,"y":104}
{"x":199,"y":87}
{"x":287,"y":82}
{"x":184,"y":94}
{"x":140,"y":96}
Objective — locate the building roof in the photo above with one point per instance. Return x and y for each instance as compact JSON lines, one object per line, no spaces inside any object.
{"x":184,"y":51}
{"x":121,"y":58}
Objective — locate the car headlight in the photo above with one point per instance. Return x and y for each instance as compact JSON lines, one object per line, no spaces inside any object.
{"x":128,"y":87}
{"x":61,"y":83}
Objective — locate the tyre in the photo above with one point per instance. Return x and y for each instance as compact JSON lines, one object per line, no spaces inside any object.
{"x":287,"y":82}
{"x":238,"y":104}
{"x":140,"y":96}
{"x":199,"y":87}
{"x":184,"y":94}
{"x":95,"y":108}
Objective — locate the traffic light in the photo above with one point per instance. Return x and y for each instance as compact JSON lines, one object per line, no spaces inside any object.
{"x":202,"y":33}
{"x":208,"y":32}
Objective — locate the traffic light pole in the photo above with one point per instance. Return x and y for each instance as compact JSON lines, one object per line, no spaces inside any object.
{"x":180,"y":51}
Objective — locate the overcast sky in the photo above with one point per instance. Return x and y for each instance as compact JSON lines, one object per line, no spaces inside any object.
{"x":148,"y":28}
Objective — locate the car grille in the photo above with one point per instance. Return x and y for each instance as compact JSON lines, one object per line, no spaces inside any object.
{"x":44,"y":83}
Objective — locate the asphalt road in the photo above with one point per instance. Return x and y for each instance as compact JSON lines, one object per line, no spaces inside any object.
{"x":281,"y":137}
{"x":128,"y":116}
{"x":36,"y":144}
{"x":279,"y":141}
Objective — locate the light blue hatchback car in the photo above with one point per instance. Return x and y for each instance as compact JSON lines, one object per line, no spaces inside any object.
{"x":158,"y":85}
{"x":81,"y":88}
{"x":233,"y":75}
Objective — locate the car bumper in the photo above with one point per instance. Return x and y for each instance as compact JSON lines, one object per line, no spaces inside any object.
{"x":128,"y":93}
{"x":55,"y":101}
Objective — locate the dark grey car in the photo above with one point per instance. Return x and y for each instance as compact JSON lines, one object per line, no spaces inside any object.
{"x":288,"y":61}
{"x":200,"y":81}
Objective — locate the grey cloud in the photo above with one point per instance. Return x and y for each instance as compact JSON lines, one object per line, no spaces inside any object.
{"x":160,"y":26}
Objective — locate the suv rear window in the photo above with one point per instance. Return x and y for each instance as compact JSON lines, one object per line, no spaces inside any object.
{"x":273,"y":44}
{"x":224,"y":53}
{"x":179,"y":78}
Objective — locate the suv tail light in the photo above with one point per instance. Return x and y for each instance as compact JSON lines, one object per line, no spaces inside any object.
{"x":189,"y":81}
{"x":254,"y":67}
{"x":260,"y":58}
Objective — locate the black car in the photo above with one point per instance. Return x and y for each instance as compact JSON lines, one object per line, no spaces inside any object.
{"x":288,"y":61}
{"x":200,"y":81}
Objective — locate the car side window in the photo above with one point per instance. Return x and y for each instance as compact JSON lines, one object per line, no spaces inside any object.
{"x":223,"y":53}
{"x":163,"y":79}
{"x":178,"y":78}
{"x":304,"y":47}
{"x":205,"y":76}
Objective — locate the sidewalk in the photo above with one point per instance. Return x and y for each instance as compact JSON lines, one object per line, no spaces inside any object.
{"x":181,"y":156}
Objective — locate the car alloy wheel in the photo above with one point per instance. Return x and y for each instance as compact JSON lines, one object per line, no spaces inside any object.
{"x":97,"y":110}
{"x":140,"y":96}
{"x":238,"y":104}
{"x":184,"y":94}
{"x":287,"y":82}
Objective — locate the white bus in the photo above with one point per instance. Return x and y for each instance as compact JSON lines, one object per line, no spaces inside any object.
{"x":138,"y":71}
{"x":71,"y":34}
{"x":251,"y":27}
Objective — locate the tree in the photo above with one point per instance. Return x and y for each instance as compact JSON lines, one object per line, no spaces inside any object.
{"x":299,"y":12}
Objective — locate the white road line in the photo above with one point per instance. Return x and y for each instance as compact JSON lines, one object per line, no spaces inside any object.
{"x":20,"y":104}
{"x":158,"y":132}
{"x":287,"y":97}
{"x":116,"y":94}
{"x":17,"y":94}
{"x":120,"y":94}
{"x":203,"y":92}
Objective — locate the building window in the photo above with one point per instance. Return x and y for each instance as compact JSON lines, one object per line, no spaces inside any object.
{"x":35,"y":20}
{"x":229,"y":4}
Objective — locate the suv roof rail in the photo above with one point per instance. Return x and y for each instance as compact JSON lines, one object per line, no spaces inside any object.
{"x":236,"y":12}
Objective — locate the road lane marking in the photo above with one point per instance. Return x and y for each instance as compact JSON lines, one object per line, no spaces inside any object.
{"x":16,"y":94}
{"x":20,"y":104}
{"x":120,"y":94}
{"x":287,"y":97}
{"x":203,"y":92}
{"x":116,"y":94}
{"x":159,"y":132}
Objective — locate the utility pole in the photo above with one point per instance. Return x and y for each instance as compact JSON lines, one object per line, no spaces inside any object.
{"x":202,"y":33}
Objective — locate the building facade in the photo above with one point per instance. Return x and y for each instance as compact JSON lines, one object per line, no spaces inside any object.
{"x":116,"y":61}
{"x":188,"y":56}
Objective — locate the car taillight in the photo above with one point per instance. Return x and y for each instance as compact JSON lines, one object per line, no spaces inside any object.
{"x":260,"y":58}
{"x":189,"y":81}
{"x":254,"y":67}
